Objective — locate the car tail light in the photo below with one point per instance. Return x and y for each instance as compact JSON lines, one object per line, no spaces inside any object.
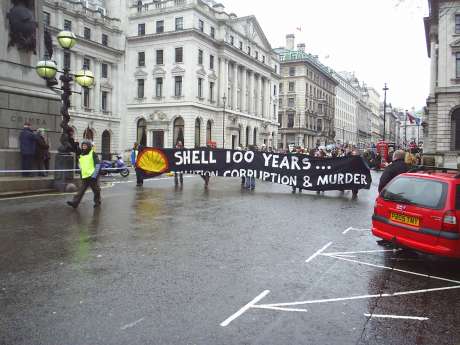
{"x":449,"y":222}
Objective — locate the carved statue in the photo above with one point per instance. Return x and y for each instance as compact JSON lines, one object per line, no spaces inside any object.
{"x":22,"y":26}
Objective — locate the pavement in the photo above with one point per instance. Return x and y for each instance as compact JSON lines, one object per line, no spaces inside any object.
{"x":165,"y":265}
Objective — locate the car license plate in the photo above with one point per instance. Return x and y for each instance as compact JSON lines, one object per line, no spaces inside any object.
{"x":401,"y":218}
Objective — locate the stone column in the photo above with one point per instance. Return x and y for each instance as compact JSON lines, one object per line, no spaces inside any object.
{"x":433,"y":71}
{"x":97,"y":86}
{"x":243,"y":106}
{"x":251,"y":94}
{"x":76,"y":63}
{"x":221,"y":81}
{"x":259,"y":97}
{"x":235,"y":87}
{"x":226,"y":84}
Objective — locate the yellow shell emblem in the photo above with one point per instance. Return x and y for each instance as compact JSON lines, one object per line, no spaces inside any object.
{"x":152,"y":161}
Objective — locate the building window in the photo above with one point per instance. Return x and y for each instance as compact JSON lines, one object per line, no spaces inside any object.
{"x":208,"y":131}
{"x":291,"y":86}
{"x":197,"y":133}
{"x":257,"y":55}
{"x":87,"y":33}
{"x":276,"y":68}
{"x":141,"y":29}
{"x":179,"y":55}
{"x":159,"y":57}
{"x":249,"y":50}
{"x":142,"y":132}
{"x":232,"y":40}
{"x":290,"y":117}
{"x":88,"y":134}
{"x":280,"y":119}
{"x":86,"y":97}
{"x":280,"y":102}
{"x":213,"y":32}
{"x":281,"y":87}
{"x":46,"y":18}
{"x":160,"y":26}
{"x":159,"y":87}
{"x":291,"y":71}
{"x":274,"y":90}
{"x":211,"y":91}
{"x":179,"y":23}
{"x":263,"y":58}
{"x":104,"y":95}
{"x":200,"y":87}
{"x":140,"y":88}
{"x":178,"y":130}
{"x":67,"y":25}
{"x":457,"y":65}
{"x":178,"y":86}
{"x":211,"y":62}
{"x":241,"y":45}
{"x":105,"y":40}
{"x":457,"y":23}
{"x":67,"y":60}
{"x":104,"y":70}
{"x":200,"y":57}
{"x":141,"y":59}
{"x":254,"y":137}
{"x":291,"y":102}
{"x":86,"y":63}
{"x":201,"y":25}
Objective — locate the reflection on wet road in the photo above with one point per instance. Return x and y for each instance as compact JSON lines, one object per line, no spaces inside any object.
{"x":165,"y":265}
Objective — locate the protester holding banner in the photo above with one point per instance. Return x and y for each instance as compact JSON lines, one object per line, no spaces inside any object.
{"x":178,"y":175}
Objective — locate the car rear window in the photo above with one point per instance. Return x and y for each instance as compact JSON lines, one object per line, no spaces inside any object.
{"x":416,"y":191}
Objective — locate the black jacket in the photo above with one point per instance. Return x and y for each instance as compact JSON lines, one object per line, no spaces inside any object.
{"x":394,"y":169}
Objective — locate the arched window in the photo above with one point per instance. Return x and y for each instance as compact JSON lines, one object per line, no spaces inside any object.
{"x":142,"y":132}
{"x":254,"y":139}
{"x":88,"y":134}
{"x":248,"y":132}
{"x":319,"y":126}
{"x":197,"y":133}
{"x":208,"y":131}
{"x":105,"y":147}
{"x":178,"y":133}
{"x":456,"y":130}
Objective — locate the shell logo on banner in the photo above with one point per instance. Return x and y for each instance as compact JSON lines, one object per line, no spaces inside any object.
{"x":152,"y":161}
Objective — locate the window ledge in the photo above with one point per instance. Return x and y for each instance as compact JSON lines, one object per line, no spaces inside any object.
{"x":178,"y":97}
{"x":200,"y":99}
{"x":158,"y":98}
{"x":455,"y":80}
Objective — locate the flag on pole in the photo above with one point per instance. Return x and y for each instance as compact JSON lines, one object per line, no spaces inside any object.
{"x":410,"y":117}
{"x":299,"y":28}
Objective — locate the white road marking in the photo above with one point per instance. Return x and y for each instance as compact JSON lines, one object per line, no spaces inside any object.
{"x":318,"y":252}
{"x":245,"y":308}
{"x":363,"y":251}
{"x":328,"y":300}
{"x":354,"y":229}
{"x":394,"y":269}
{"x":132,"y":324}
{"x":397,"y":317}
{"x":279,"y":308}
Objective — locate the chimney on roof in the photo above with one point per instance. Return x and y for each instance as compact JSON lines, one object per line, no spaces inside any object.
{"x":290,"y":39}
{"x":301,"y":47}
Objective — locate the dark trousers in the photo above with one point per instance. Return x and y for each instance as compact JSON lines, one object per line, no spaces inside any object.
{"x":43,"y":165}
{"x":139,"y":177}
{"x":180,"y":176}
{"x":27,"y":164}
{"x":94,"y":185}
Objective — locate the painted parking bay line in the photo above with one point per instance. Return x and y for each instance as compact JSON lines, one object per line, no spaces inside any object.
{"x":354,"y":229}
{"x":380,"y":316}
{"x":318,"y":252}
{"x":245,"y":308}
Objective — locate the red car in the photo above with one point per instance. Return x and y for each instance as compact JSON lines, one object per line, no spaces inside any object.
{"x":421,"y":210}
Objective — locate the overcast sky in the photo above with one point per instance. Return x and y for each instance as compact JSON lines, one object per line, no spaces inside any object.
{"x":380,"y":40}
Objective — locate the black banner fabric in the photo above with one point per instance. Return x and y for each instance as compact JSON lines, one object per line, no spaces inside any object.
{"x":302,"y":171}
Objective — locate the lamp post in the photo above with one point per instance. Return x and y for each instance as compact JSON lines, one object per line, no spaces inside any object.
{"x":224,"y":100}
{"x":385,"y":89}
{"x":47,"y":70}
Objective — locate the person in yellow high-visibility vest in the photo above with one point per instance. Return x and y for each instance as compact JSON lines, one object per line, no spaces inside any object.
{"x":89,"y":166}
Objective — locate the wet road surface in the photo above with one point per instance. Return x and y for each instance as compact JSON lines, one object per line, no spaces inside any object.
{"x":161,"y":265}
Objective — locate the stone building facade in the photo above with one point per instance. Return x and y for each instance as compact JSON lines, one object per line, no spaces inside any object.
{"x":442,"y":120}
{"x":345,"y":117}
{"x":23,"y":95}
{"x":95,"y":113}
{"x":197,"y":74}
{"x":307,"y":98}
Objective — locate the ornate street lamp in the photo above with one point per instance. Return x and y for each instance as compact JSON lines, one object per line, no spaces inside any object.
{"x":47,"y":70}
